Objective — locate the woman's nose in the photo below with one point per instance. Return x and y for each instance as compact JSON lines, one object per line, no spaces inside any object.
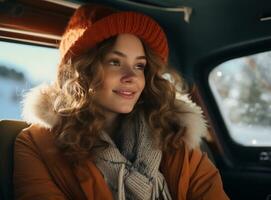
{"x":128,"y":75}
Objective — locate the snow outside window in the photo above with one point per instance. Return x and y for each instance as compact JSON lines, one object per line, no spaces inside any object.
{"x":21,"y":68}
{"x":242,"y":89}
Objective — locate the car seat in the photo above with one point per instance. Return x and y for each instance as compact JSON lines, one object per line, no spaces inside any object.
{"x":9,"y":129}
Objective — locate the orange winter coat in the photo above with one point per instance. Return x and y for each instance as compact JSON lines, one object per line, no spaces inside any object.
{"x":41,"y":173}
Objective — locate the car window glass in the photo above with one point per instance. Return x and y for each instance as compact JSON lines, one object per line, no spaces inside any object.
{"x":21,"y":68}
{"x":242,"y":89}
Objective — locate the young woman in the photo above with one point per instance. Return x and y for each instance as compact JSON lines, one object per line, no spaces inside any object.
{"x":111,"y":127}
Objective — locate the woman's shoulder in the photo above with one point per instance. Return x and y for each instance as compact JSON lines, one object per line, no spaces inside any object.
{"x":36,"y":142}
{"x":186,"y":157}
{"x":183,"y":151}
{"x":34,"y":136}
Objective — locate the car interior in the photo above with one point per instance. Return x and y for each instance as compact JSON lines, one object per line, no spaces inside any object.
{"x":202,"y":35}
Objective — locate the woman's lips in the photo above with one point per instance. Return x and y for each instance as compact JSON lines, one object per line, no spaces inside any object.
{"x":127,"y":94}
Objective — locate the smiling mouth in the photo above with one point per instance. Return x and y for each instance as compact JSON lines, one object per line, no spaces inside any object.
{"x":125,"y":94}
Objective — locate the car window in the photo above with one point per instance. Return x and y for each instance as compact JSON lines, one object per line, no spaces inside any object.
{"x":242,"y":89}
{"x":21,"y":68}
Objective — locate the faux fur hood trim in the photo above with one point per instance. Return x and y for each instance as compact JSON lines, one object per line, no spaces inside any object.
{"x":38,"y":106}
{"x":38,"y":109}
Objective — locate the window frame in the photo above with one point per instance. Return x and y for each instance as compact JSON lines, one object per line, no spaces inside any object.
{"x":234,"y":155}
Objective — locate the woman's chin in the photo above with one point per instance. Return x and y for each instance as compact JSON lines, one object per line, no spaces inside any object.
{"x":125,"y":110}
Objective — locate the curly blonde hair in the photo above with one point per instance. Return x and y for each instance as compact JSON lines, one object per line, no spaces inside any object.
{"x":82,"y":121}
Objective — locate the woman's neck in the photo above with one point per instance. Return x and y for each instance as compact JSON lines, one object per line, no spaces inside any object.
{"x":111,"y":124}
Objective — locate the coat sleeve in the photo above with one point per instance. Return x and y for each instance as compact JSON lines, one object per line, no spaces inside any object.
{"x":31,"y":177}
{"x":205,"y":181}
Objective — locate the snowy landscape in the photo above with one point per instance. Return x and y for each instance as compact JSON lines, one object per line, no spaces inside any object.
{"x":242,"y":89}
{"x":11,"y":92}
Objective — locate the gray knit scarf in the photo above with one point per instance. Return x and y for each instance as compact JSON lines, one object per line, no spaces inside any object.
{"x":131,"y":165}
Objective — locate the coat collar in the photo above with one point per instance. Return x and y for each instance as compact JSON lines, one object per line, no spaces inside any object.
{"x":38,"y":109}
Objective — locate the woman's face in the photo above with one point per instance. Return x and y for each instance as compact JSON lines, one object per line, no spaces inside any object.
{"x":124,"y":78}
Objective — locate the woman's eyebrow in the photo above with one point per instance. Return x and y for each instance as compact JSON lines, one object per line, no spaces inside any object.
{"x":121,"y":54}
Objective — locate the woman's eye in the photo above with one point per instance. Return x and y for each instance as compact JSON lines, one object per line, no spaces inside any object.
{"x":114,"y":62}
{"x":141,"y":66}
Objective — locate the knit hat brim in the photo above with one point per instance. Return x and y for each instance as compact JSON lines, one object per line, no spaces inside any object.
{"x":80,"y":38}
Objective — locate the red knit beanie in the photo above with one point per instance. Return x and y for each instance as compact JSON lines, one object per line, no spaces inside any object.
{"x":91,"y":24}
